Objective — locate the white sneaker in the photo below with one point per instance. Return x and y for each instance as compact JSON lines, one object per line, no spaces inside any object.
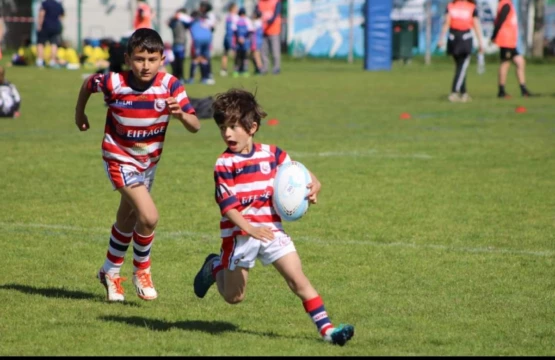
{"x":454,"y":97}
{"x":114,"y":290}
{"x":143,"y":285}
{"x":465,"y":98}
{"x":223,"y":73}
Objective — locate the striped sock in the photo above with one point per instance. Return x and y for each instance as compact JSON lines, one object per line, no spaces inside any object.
{"x":119,"y":242}
{"x":317,"y":312}
{"x":141,"y":251}
{"x":216,"y":267}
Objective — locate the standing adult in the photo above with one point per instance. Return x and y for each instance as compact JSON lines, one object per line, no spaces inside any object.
{"x":461,"y":17}
{"x":143,"y":15}
{"x":505,"y":35}
{"x":49,"y":29}
{"x":271,"y":25}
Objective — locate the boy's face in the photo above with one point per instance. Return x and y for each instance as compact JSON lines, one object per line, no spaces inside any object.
{"x":237,"y":138}
{"x":143,"y":64}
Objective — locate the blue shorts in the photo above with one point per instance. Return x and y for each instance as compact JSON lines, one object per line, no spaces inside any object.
{"x":201,"y":48}
{"x":228,"y":44}
{"x":179,"y":51}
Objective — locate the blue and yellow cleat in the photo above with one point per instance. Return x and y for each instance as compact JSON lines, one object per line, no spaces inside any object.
{"x":342,"y":334}
{"x":204,"y":279}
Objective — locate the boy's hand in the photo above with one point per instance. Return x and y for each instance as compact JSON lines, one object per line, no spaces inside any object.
{"x":173,"y":107}
{"x":82,"y":121}
{"x":262,"y":233}
{"x":314,"y":187}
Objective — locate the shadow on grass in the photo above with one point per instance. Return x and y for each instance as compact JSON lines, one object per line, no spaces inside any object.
{"x":59,"y":293}
{"x":210,"y":327}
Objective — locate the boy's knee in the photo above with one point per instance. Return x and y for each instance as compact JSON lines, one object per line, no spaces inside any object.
{"x":149,"y":220}
{"x":234,"y":298}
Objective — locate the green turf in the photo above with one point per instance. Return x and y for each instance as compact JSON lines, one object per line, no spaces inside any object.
{"x":432,"y":236}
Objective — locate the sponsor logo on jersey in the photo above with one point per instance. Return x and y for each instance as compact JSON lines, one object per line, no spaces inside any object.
{"x":141,"y":134}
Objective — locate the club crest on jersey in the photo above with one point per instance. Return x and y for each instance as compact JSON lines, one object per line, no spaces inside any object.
{"x":265,"y":167}
{"x":159,"y":105}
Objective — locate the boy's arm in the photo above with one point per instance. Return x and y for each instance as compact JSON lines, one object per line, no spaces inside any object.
{"x":190,"y":121}
{"x":314,"y":187}
{"x":180,"y":107}
{"x":228,"y":203}
{"x":81,"y":119}
{"x":261,"y":233}
{"x":83,"y":97}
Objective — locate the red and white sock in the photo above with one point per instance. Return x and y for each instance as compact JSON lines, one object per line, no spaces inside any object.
{"x":119,"y":242}
{"x":141,"y":251}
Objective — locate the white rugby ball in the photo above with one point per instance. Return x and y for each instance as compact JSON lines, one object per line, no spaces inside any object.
{"x":290,"y":190}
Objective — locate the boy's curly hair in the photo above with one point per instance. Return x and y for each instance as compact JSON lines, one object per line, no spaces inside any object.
{"x":236,"y":105}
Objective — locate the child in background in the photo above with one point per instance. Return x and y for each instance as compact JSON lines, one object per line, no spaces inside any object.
{"x":179,"y":34}
{"x":243,"y":34}
{"x":229,"y":46}
{"x":257,"y":40}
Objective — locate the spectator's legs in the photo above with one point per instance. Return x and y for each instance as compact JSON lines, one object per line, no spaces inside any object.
{"x":276,"y":53}
{"x":265,"y":54}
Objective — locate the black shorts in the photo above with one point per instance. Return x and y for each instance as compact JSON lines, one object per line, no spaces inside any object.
{"x":459,"y":42}
{"x":507,"y":54}
{"x":53,"y":37}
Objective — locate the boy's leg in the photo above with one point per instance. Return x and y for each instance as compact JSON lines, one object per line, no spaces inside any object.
{"x":238,"y":254}
{"x":120,"y":238}
{"x":139,"y":198}
{"x":289,"y":266}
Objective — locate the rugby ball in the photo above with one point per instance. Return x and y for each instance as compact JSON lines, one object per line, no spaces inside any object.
{"x":290,"y":191}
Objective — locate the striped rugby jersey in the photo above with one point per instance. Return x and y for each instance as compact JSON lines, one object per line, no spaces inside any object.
{"x":246,"y":182}
{"x":136,"y":121}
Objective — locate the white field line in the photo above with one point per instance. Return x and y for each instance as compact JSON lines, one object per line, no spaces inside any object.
{"x":206,"y":236}
{"x":363,"y":153}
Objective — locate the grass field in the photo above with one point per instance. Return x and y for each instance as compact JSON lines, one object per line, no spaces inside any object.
{"x":432,"y":236}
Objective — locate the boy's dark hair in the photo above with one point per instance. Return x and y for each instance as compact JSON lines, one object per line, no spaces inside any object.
{"x":236,"y":105}
{"x":205,"y":6}
{"x":145,"y":39}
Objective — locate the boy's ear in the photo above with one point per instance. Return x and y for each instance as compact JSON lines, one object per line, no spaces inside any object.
{"x":127,"y":59}
{"x":254,"y":128}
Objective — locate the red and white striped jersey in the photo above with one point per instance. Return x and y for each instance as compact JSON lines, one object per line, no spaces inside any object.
{"x":245,"y":182}
{"x":137,"y":120}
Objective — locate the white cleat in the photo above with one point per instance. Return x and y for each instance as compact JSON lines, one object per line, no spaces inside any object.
{"x":114,"y":290}
{"x":143,"y":285}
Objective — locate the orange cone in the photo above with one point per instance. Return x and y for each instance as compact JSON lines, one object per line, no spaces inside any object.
{"x":520,"y":109}
{"x":273,"y":122}
{"x":404,"y":116}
